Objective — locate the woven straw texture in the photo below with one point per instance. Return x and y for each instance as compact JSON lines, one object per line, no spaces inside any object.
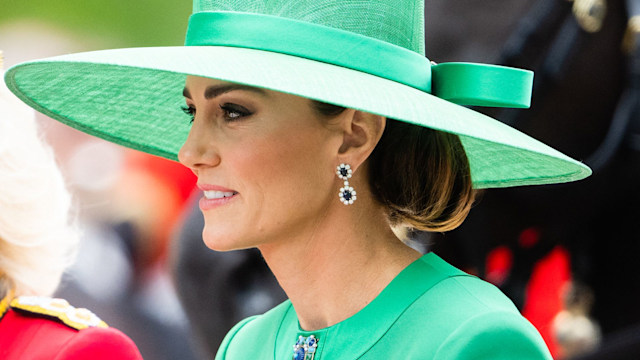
{"x":140,"y":107}
{"x":133,"y":96}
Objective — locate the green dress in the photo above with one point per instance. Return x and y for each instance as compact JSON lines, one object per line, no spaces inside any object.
{"x":431,"y":310}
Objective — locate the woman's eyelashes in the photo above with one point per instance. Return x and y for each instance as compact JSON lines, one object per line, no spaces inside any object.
{"x":191,"y":111}
{"x":231,"y":112}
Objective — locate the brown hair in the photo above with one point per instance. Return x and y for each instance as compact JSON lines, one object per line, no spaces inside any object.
{"x":421,"y":175}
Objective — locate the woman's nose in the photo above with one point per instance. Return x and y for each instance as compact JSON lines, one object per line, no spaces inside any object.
{"x":199,"y":150}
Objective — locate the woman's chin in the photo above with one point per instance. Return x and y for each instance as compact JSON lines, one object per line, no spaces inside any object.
{"x":215,"y":244}
{"x":221,"y":242}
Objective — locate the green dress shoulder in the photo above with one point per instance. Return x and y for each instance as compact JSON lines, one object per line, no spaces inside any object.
{"x":431,"y":310}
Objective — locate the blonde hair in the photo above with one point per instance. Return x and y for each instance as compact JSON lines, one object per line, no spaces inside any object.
{"x":38,"y":239}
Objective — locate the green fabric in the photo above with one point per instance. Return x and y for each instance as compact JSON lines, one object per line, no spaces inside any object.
{"x":398,"y":22}
{"x":482,"y":85}
{"x":311,"y":41}
{"x":460,"y":83}
{"x":133,"y":96}
{"x":429,"y":311}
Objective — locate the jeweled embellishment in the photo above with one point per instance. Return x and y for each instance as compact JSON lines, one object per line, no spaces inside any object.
{"x":344,"y":171}
{"x":305,"y":348}
{"x":347,"y":193}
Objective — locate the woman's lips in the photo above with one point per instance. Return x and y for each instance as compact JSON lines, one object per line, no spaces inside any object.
{"x":215,"y":196}
{"x":212,"y":194}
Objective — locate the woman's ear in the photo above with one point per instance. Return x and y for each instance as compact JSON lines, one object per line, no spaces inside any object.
{"x":361,"y":133}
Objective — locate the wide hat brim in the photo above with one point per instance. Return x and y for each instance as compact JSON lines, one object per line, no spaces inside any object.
{"x":133,"y":97}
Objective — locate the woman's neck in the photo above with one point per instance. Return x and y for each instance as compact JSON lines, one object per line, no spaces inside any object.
{"x":334,"y":271}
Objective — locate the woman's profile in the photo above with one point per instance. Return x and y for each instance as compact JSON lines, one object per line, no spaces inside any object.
{"x":320,"y":133}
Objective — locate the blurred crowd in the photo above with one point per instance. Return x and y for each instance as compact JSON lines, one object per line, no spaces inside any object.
{"x":565,"y":254}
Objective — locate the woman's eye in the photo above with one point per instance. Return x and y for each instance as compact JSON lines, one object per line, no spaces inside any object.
{"x":191,"y":111}
{"x":233,"y":112}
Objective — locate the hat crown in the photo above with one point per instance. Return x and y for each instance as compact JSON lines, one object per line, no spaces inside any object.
{"x":399,"y":22}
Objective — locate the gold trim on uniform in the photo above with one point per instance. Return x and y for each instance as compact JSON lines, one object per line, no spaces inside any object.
{"x":58,"y":308}
{"x":4,"y":303}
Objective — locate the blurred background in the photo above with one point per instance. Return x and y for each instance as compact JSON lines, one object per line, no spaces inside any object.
{"x":127,"y":202}
{"x":565,"y":254}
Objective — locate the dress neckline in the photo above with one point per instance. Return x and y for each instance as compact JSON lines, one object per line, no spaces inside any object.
{"x":359,"y":332}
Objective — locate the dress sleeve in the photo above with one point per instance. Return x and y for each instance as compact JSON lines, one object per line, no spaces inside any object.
{"x":222,"y":351}
{"x":494,"y":335}
{"x":99,"y":344}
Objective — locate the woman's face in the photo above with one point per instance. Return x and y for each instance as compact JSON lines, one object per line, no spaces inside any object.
{"x":264,"y":159}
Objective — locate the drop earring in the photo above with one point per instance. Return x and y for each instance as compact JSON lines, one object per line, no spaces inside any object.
{"x":347,"y":194}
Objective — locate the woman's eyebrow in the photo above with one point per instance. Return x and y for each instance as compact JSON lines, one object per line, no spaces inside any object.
{"x":217,"y":90}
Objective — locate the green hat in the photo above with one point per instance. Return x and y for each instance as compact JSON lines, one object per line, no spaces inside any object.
{"x":362,"y":54}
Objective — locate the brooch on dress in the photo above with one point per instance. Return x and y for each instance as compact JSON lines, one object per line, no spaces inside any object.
{"x":305,"y":348}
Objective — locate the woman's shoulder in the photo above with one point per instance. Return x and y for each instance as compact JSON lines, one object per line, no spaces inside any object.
{"x":466,"y":315}
{"x":471,"y":293}
{"x":43,"y":327}
{"x":459,"y":292}
{"x":496,"y":334}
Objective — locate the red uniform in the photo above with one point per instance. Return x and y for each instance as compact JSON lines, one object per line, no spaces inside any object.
{"x":34,"y":328}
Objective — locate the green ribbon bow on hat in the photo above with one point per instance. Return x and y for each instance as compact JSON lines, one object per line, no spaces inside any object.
{"x":460,"y":83}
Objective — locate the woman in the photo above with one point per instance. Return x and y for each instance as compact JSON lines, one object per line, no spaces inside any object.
{"x":38,"y":241}
{"x":298,"y":109}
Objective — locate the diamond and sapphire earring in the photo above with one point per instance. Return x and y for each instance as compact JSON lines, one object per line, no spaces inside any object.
{"x":347,"y":194}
